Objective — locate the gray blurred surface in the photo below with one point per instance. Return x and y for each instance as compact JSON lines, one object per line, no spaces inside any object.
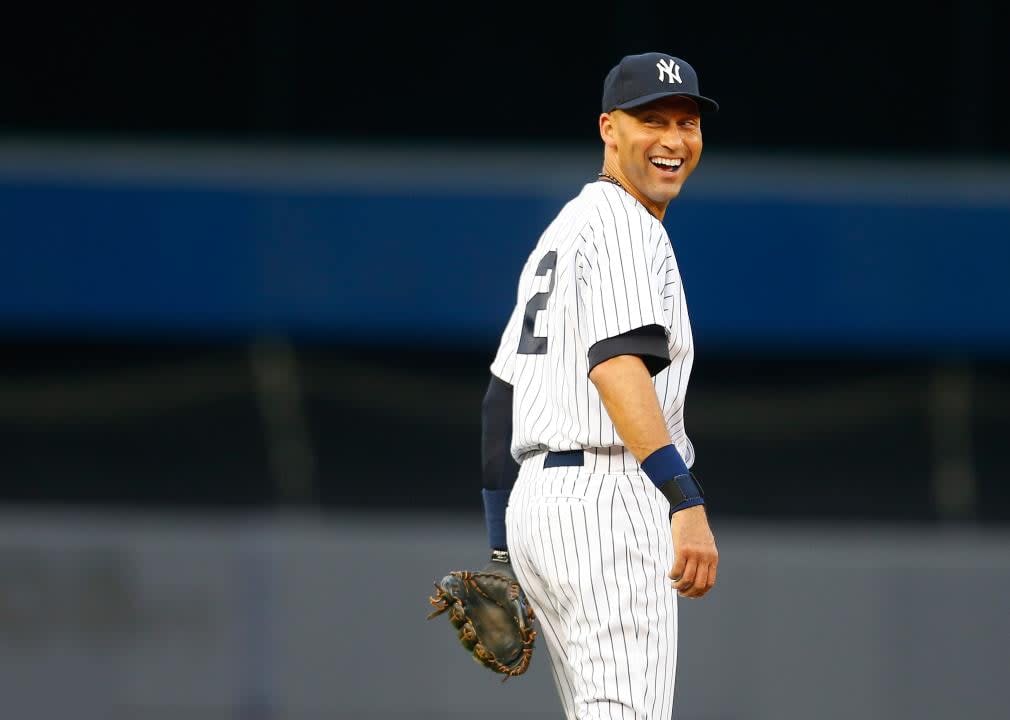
{"x":296,"y":617}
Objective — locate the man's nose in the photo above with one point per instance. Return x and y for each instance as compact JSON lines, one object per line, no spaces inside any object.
{"x":671,"y":137}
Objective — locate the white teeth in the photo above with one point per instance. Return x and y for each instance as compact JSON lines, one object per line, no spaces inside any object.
{"x":667,"y":161}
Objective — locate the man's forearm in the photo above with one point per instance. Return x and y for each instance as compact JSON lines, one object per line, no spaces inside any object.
{"x":626,"y":389}
{"x":499,"y":469}
{"x":629,"y":396}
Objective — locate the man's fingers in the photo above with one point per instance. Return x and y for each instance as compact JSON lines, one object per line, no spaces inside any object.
{"x":686,"y":579}
{"x":700,"y":585}
{"x":679,"y":564}
{"x":699,"y":573}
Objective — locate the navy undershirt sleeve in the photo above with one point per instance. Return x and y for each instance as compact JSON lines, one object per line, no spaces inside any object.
{"x":499,"y":467}
{"x":648,"y":343}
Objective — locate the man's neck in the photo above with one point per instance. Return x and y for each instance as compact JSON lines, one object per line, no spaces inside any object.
{"x":613,"y":173}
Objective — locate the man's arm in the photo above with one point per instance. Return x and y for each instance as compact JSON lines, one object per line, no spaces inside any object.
{"x":498,"y":468}
{"x":626,"y":388}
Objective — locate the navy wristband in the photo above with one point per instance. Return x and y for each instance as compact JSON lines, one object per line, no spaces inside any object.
{"x":663,"y":465}
{"x":495,"y":502}
{"x":687,"y":503}
{"x":668,"y":472}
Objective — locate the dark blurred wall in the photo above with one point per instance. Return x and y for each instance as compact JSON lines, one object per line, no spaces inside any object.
{"x":861,"y":76}
{"x":182,"y":425}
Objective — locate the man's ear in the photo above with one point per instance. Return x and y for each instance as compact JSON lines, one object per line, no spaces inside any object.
{"x":607,"y":130}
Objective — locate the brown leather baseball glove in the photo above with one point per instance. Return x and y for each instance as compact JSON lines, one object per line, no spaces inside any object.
{"x":490,"y":611}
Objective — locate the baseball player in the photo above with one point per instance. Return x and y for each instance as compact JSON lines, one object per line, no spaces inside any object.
{"x":588,"y":495}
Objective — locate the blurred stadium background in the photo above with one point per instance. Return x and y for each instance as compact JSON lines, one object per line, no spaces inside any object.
{"x":253,"y":265}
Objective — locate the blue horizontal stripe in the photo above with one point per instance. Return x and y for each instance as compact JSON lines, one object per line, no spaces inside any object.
{"x":441,"y":267}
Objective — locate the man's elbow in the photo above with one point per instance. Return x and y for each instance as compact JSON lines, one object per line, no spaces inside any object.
{"x":619,"y":366}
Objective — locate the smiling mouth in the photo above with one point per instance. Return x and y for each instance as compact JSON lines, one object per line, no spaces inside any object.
{"x":667,"y":165}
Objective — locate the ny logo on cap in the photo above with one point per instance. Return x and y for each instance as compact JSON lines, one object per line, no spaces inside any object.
{"x":670,"y":69}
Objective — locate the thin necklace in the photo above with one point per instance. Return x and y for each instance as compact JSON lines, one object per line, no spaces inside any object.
{"x":610,"y":178}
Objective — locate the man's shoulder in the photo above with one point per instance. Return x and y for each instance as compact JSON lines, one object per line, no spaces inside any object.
{"x":583,"y":201}
{"x":575,"y":215}
{"x":616,"y":214}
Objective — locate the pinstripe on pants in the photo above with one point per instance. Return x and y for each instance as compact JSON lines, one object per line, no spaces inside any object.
{"x":591,"y":548}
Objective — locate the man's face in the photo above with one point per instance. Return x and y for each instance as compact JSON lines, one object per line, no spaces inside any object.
{"x":657,"y":145}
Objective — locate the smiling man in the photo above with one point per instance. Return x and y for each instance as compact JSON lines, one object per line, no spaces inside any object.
{"x":588,"y":495}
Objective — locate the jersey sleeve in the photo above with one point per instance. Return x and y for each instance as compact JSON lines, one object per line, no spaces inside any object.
{"x":621,"y":278}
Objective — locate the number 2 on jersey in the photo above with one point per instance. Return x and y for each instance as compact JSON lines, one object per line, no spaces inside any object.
{"x":530,"y":344}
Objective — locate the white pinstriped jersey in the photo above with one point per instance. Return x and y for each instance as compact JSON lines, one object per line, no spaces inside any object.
{"x":603,"y":267}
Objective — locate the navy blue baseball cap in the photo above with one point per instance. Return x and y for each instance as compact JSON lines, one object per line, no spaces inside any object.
{"x":640,"y":79}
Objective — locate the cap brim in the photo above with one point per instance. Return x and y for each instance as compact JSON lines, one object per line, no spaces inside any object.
{"x":704,"y":104}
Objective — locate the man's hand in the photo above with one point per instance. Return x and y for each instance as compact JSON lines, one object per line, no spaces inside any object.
{"x":695,"y":558}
